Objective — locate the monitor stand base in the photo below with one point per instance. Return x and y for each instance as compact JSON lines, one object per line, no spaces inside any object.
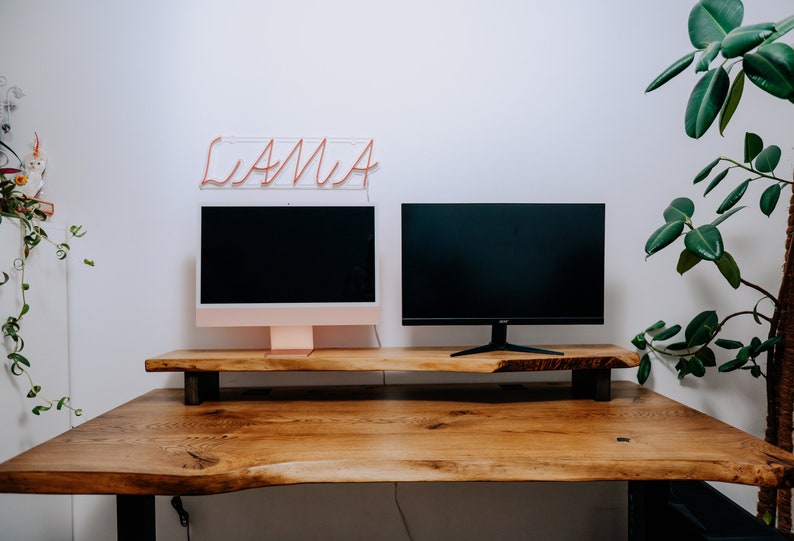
{"x":499,"y":343}
{"x":296,"y":341}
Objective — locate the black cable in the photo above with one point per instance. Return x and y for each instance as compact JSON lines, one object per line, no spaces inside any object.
{"x":184,"y":516}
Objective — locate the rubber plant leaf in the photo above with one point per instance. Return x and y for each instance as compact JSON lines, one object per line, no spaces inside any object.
{"x":686,"y":261}
{"x":768,"y":159}
{"x":771,"y":68}
{"x":753,"y":145}
{"x":732,"y":103}
{"x":677,"y":67}
{"x":705,"y":102}
{"x":712,"y":20}
{"x":728,"y":344}
{"x":730,"y":270}
{"x":768,"y":344}
{"x":755,"y":344}
{"x":722,"y":217}
{"x":682,"y":367}
{"x":705,"y":241}
{"x":707,"y":357}
{"x":706,"y":171}
{"x":663,"y":237}
{"x":733,"y":197}
{"x":730,"y":366}
{"x":676,"y":346}
{"x":695,"y":367}
{"x":708,"y":54}
{"x":745,"y":38}
{"x":644,"y":370}
{"x":770,"y":198}
{"x":656,"y":326}
{"x":716,"y":180}
{"x":680,"y":209}
{"x":701,"y":328}
{"x":781,"y":28}
{"x":668,"y":333}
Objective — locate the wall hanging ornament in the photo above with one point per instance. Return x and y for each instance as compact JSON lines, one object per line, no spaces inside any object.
{"x":6,"y":106}
{"x":34,"y":165}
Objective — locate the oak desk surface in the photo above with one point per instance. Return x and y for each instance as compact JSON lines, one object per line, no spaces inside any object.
{"x":534,"y":432}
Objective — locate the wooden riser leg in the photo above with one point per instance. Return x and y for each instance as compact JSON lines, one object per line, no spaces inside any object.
{"x":592,"y":383}
{"x":201,"y":386}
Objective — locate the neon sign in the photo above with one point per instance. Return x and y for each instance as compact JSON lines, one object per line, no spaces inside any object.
{"x":255,"y":162}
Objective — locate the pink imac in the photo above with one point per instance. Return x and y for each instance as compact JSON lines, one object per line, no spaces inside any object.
{"x":289,"y":267}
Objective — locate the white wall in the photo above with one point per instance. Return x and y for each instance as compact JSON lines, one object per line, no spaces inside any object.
{"x":45,"y":331}
{"x":466,"y":100}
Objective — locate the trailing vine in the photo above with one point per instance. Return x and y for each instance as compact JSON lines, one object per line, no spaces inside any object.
{"x":14,"y":205}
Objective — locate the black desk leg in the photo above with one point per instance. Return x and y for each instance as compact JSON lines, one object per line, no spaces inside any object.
{"x":201,"y":386}
{"x":135,"y":520}
{"x":592,"y":383}
{"x":648,"y":516}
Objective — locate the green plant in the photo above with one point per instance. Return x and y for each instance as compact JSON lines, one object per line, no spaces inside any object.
{"x":728,"y":54}
{"x":16,"y":206}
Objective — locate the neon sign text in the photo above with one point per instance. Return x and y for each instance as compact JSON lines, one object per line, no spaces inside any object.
{"x":288,"y":162}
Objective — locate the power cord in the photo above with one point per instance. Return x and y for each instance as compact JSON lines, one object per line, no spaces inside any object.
{"x":184,"y":516}
{"x":402,"y":514}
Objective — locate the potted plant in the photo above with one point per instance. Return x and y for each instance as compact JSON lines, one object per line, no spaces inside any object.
{"x":18,"y":204}
{"x":727,"y":53}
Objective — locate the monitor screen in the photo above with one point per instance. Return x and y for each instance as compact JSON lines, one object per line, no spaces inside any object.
{"x":286,"y":265}
{"x":502,"y":263}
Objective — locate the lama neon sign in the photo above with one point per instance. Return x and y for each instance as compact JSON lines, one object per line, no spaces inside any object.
{"x":255,"y":162}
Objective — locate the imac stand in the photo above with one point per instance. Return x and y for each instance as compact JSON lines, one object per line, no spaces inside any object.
{"x":499,"y":343}
{"x":297,"y":341}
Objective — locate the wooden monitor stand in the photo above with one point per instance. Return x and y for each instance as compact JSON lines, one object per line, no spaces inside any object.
{"x":590,"y":364}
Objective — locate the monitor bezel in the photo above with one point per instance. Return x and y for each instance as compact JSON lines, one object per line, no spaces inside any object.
{"x":506,"y":320}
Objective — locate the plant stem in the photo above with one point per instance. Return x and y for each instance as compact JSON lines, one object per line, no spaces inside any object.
{"x":752,"y":170}
{"x":689,"y":351}
{"x":758,"y":288}
{"x":741,"y":313}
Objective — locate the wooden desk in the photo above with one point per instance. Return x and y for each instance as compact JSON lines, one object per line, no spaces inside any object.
{"x":590,"y":364}
{"x":156,"y":445}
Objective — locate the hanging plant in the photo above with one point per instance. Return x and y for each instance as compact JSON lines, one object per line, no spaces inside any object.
{"x":16,"y":205}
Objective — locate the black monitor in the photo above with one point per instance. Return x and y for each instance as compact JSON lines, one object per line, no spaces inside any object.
{"x":502,"y":264}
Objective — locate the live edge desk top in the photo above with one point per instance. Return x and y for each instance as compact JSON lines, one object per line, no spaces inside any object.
{"x":156,"y":445}
{"x":159,"y":444}
{"x":590,"y":364}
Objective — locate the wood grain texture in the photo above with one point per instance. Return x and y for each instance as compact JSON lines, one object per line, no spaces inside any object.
{"x":576,"y":357}
{"x":535,"y":432}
